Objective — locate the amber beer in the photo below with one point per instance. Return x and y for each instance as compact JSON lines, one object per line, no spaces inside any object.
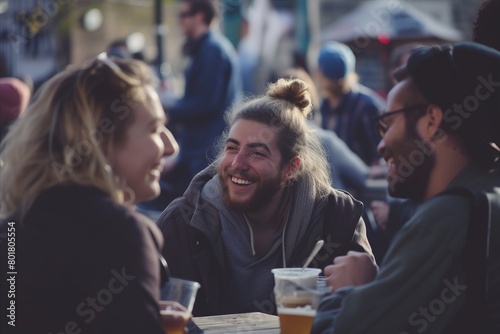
{"x":296,"y":313}
{"x":295,"y":292}
{"x":296,"y":320}
{"x":174,"y":321}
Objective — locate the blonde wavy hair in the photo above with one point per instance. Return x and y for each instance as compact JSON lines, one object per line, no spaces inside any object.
{"x":286,"y":108}
{"x":74,"y":122}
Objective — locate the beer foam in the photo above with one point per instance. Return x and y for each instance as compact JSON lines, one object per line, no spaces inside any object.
{"x":177,"y":313}
{"x":304,"y":311}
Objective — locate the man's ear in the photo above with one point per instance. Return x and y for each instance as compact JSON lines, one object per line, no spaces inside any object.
{"x":292,"y":169}
{"x":429,"y":125}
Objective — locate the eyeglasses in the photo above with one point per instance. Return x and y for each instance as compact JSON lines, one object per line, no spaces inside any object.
{"x":382,"y":125}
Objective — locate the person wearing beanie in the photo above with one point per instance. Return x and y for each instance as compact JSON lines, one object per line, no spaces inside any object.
{"x":441,"y":140}
{"x":348,"y":107}
{"x":14,"y":98}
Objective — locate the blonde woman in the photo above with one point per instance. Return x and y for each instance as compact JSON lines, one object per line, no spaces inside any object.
{"x":88,"y":147}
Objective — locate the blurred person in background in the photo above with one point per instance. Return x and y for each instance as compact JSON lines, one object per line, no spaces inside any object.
{"x":118,"y":48}
{"x":14,"y":98}
{"x":127,"y":48}
{"x":348,"y":171}
{"x":348,"y":108}
{"x":267,"y":45}
{"x":89,"y":146}
{"x":212,"y":84}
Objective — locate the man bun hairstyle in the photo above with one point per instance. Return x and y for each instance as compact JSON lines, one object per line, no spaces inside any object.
{"x":295,"y":91}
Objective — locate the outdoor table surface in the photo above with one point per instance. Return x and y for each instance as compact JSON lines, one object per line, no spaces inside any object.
{"x":256,"y":322}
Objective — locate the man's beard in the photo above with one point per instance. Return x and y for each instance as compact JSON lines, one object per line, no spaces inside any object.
{"x":413,"y":170}
{"x":260,"y":197}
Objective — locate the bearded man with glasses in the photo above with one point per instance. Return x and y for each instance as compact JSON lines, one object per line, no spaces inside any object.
{"x":441,"y":140}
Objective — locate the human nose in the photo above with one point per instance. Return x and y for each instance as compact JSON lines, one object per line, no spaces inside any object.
{"x":381,"y":147}
{"x":240,"y":161}
{"x":169,"y":143}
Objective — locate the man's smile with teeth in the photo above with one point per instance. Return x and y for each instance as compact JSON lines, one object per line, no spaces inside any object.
{"x":240,"y":181}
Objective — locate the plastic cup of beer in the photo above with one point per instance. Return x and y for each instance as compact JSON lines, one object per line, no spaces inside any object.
{"x":297,"y":297}
{"x":178,"y":297}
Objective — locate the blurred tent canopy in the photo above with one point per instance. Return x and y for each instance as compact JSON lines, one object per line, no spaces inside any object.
{"x":395,"y":20}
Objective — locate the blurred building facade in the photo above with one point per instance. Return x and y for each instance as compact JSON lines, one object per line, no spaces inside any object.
{"x":33,"y":39}
{"x":459,"y":13}
{"x":40,"y":37}
{"x":374,"y":54}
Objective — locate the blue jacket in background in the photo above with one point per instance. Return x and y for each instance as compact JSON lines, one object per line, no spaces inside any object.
{"x":213,"y":83}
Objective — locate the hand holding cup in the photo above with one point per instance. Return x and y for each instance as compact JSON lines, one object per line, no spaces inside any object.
{"x":174,"y":315}
{"x":177,"y":301}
